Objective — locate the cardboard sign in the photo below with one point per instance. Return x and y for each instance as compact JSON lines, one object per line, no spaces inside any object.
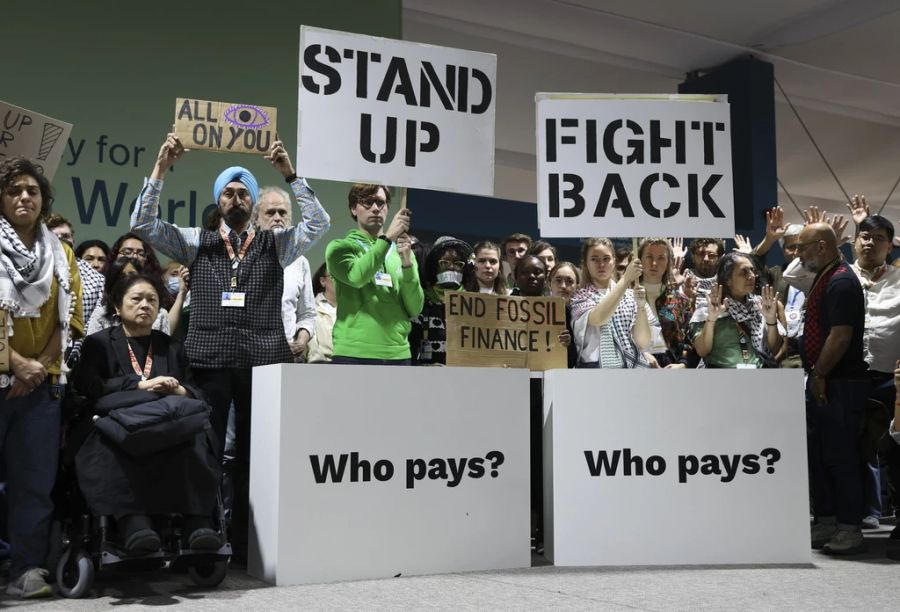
{"x":37,"y":137}
{"x":376,"y":110}
{"x":505,"y":331}
{"x":225,"y":126}
{"x":641,"y":466}
{"x":634,"y":166}
{"x":350,"y":479}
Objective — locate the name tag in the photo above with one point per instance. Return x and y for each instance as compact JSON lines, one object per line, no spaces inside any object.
{"x":746,"y":366}
{"x":233,"y":299}
{"x":383,"y":279}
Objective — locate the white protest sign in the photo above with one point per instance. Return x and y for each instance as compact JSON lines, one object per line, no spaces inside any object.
{"x":634,"y":166}
{"x":366,"y":472}
{"x":377,"y":110}
{"x":680,"y":467}
{"x":32,"y":135}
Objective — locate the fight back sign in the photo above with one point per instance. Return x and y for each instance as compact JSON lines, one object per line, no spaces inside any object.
{"x":377,"y":110}
{"x":505,"y":331}
{"x":634,"y":165}
{"x":225,"y":126}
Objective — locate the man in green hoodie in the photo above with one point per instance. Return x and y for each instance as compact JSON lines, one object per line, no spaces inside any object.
{"x":376,"y":282}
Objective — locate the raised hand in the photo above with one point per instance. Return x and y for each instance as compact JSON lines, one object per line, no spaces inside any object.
{"x":775,"y":226}
{"x":743,"y":244}
{"x":689,"y":287}
{"x":811,"y":215}
{"x":640,"y":295}
{"x":399,"y":224}
{"x":859,"y":210}
{"x":169,"y":153}
{"x":633,"y":272}
{"x":278,"y":156}
{"x":717,"y":306}
{"x":839,"y":223}
{"x":769,"y":304}
{"x":678,"y":250}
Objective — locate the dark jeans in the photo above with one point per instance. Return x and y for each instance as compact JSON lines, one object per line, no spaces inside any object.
{"x":884,"y":391}
{"x":365,"y":361}
{"x":222,"y":387}
{"x":833,"y":450}
{"x":29,"y":437}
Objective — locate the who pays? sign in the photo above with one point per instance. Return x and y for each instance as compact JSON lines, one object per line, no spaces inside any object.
{"x":225,"y":126}
{"x":634,"y":165}
{"x":505,"y":331}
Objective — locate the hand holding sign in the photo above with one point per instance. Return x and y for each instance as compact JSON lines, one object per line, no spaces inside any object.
{"x":632,"y":272}
{"x":399,"y":224}
{"x":169,"y":153}
{"x":279,"y":158}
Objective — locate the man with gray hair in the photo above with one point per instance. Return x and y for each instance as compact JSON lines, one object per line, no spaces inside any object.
{"x":298,"y":304}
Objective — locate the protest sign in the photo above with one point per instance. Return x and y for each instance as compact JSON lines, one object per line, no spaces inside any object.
{"x":350,"y":480}
{"x":225,"y":126}
{"x":505,"y":331}
{"x":376,"y":110}
{"x":37,"y":137}
{"x":643,"y":469}
{"x":634,"y":166}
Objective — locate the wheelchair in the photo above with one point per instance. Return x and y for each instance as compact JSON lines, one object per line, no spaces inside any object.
{"x":83,"y":544}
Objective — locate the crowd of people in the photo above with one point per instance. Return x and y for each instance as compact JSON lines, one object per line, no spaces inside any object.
{"x":124,"y":330}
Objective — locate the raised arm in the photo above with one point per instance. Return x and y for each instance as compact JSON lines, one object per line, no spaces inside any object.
{"x":292,"y":242}
{"x":179,"y":244}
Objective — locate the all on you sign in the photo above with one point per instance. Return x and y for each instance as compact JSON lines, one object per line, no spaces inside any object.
{"x":634,"y":165}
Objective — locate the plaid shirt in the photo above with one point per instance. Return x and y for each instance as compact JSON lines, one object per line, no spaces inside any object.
{"x":182,"y":244}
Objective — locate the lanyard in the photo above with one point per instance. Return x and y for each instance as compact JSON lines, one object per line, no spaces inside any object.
{"x":745,"y":352}
{"x":148,"y":362}
{"x":236,"y":259}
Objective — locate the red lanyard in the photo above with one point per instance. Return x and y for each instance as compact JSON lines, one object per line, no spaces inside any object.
{"x":236,"y":260}
{"x":148,"y":363}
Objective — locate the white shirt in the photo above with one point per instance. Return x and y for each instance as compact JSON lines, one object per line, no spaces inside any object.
{"x":298,"y":304}
{"x":881,"y":288}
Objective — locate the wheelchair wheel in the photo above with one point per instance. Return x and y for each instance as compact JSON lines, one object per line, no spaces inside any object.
{"x":208,"y":574}
{"x":74,"y":574}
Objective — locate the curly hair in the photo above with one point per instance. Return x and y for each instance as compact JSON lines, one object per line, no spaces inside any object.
{"x":14,"y":167}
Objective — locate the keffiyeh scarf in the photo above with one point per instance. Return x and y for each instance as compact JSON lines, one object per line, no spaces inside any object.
{"x":622,"y":321}
{"x":26,"y":276}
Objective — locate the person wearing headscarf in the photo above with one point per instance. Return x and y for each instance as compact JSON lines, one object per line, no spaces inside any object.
{"x":40,"y":298}
{"x":236,"y":284}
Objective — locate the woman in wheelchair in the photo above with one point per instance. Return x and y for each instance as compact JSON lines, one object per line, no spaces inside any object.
{"x":147,"y":452}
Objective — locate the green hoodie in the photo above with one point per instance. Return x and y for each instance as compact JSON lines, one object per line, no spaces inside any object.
{"x":373,"y":321}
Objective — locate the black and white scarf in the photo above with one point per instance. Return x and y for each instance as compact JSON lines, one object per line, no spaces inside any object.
{"x":26,"y":275}
{"x":747,"y":313}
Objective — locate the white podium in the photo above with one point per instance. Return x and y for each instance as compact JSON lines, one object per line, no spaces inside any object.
{"x":676,"y":467}
{"x":372,"y":471}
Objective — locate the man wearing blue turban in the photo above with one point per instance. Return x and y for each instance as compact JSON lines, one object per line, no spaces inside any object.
{"x":236,"y":284}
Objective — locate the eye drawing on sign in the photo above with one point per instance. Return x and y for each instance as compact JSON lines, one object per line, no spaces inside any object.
{"x":246,"y":116}
{"x":51,"y":134}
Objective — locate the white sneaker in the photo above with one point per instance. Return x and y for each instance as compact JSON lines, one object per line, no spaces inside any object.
{"x":846,"y":541}
{"x":31,"y":584}
{"x":822,"y":531}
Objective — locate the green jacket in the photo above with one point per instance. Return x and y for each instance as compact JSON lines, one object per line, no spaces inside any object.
{"x":373,"y":321}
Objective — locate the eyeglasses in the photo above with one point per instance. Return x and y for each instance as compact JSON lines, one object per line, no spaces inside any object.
{"x":127,"y":252}
{"x":368,"y":203}
{"x":876,"y":238}
{"x":445,"y":265}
